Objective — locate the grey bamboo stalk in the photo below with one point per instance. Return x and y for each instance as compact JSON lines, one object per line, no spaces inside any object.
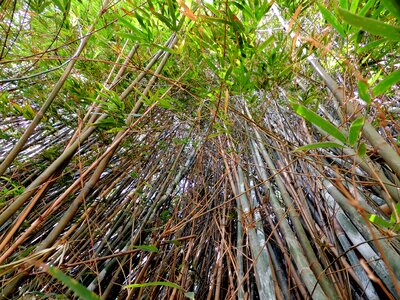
{"x":163,"y":193}
{"x":239,"y":253}
{"x":372,"y":170}
{"x":289,"y":262}
{"x":38,"y":117}
{"x":369,"y":232}
{"x":103,"y":162}
{"x":258,"y":245}
{"x":307,"y":275}
{"x":239,"y":233}
{"x":152,"y":210}
{"x":358,"y":232}
{"x":280,"y":280}
{"x":135,"y":82}
{"x":9,"y":288}
{"x":301,"y":234}
{"x":366,"y":283}
{"x":220,"y":256}
{"x":303,"y":238}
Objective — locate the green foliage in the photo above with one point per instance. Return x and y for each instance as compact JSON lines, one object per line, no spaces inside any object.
{"x":39,"y":6}
{"x":5,"y":105}
{"x":319,"y":121}
{"x":371,"y":25}
{"x":362,"y":150}
{"x":331,"y":19}
{"x":393,"y":6}
{"x":353,"y":135}
{"x":253,"y":11}
{"x":393,"y":224}
{"x":363,"y":91}
{"x":14,"y":108}
{"x":81,"y":291}
{"x":380,"y":221}
{"x":51,"y":153}
{"x":166,"y":14}
{"x":182,"y":141}
{"x":143,"y":35}
{"x":114,"y":107}
{"x":355,"y":130}
{"x":165,"y":215}
{"x":24,"y":110}
{"x":148,"y":248}
{"x":62,"y":5}
{"x":155,"y":283}
{"x":78,"y":93}
{"x":387,"y":82}
{"x":229,"y":46}
{"x":14,"y":190}
{"x":319,"y":146}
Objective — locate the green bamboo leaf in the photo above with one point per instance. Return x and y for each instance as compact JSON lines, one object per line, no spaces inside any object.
{"x":362,"y":150}
{"x":172,"y":10}
{"x":137,"y":34}
{"x":59,"y":5}
{"x":319,"y":121}
{"x":138,"y":37}
{"x":363,"y":91}
{"x":108,"y":123}
{"x":165,"y":20}
{"x":396,"y":228}
{"x":344,"y":4}
{"x":366,"y":7}
{"x":261,"y":10}
{"x":372,"y":45}
{"x":393,"y":219}
{"x":80,"y":290}
{"x":380,"y":221}
{"x":398,"y":208}
{"x":63,"y":6}
{"x":244,"y":8}
{"x":128,"y":24}
{"x":154,"y":283}
{"x":189,"y":295}
{"x":393,"y":6}
{"x":212,"y":9}
{"x":355,"y":129}
{"x":331,"y":19}
{"x":140,"y":19}
{"x":374,"y":78}
{"x":371,"y":25}
{"x":149,"y":248}
{"x":266,"y":43}
{"x":386,"y":83}
{"x":166,"y":49}
{"x":319,"y":145}
{"x":354,"y":6}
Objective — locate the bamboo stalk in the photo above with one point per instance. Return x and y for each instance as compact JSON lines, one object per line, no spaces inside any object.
{"x":301,"y":234}
{"x":300,"y":260}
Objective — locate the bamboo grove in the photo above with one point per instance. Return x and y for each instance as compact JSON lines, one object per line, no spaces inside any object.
{"x":199,"y":149}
